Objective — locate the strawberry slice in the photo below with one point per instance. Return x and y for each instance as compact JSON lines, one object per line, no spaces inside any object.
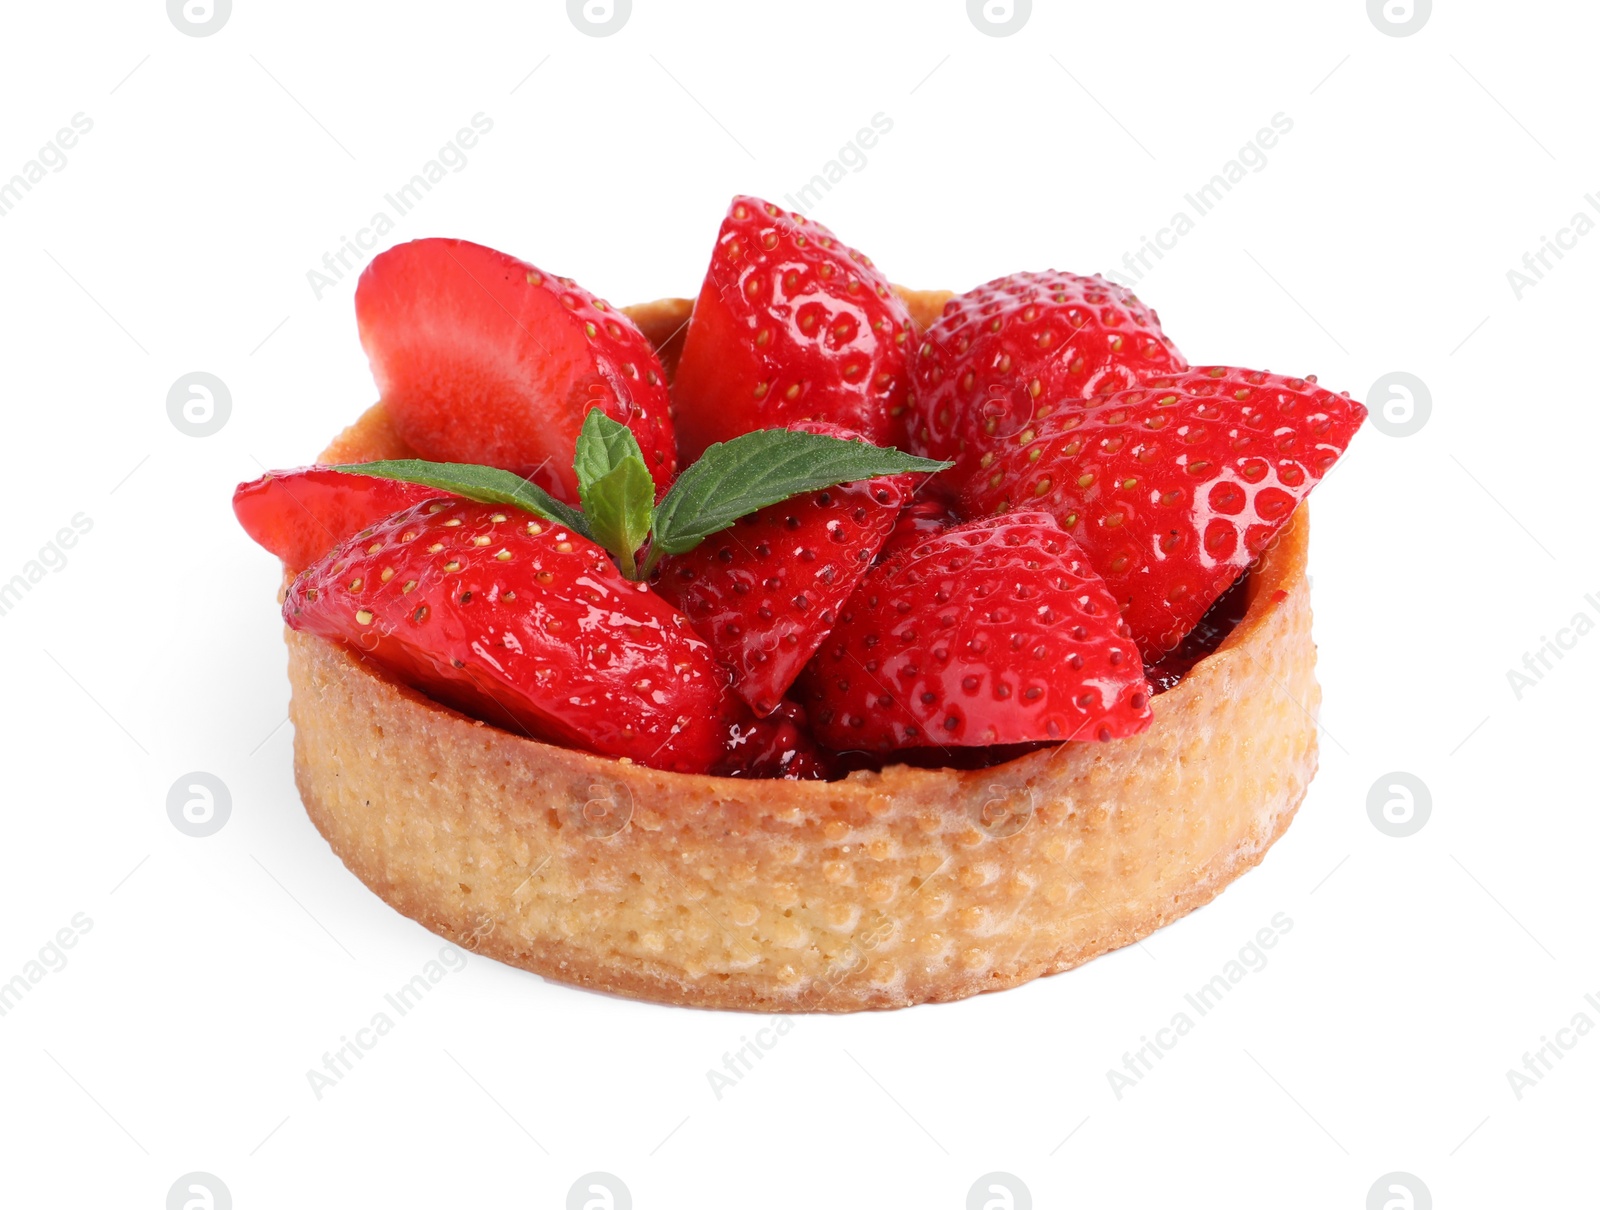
{"x":1019,"y":347}
{"x":994,"y":632}
{"x":764,"y":592}
{"x":483,"y":358}
{"x":522,"y":623}
{"x":1174,"y":487}
{"x":790,"y":325}
{"x":302,"y":514}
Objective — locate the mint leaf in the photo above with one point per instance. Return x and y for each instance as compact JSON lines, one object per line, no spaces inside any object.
{"x":617,"y":506}
{"x":603,"y":445}
{"x":752,"y":471}
{"x":484,"y":483}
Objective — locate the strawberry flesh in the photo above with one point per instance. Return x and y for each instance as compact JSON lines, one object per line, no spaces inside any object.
{"x":1020,"y":345}
{"x":300,"y":515}
{"x":526,"y":625}
{"x":765,"y":591}
{"x":994,"y":632}
{"x":790,"y":325}
{"x":1174,"y":487}
{"x":480,"y":357}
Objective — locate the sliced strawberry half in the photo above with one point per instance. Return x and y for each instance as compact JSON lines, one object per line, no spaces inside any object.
{"x":766,"y":591}
{"x":994,"y":632}
{"x":1020,"y":347}
{"x":524,"y":624}
{"x":790,"y":325}
{"x":1174,"y":487}
{"x":480,"y":357}
{"x":301,"y":515}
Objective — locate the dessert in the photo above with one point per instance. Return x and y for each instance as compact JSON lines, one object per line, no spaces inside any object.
{"x":781,"y":717}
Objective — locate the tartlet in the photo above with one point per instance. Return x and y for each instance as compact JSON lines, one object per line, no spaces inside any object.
{"x":889,"y":888}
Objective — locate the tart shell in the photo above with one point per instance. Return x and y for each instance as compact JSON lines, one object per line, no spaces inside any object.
{"x":886,"y":889}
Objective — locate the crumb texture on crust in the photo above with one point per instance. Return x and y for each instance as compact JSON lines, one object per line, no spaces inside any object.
{"x":883,"y":890}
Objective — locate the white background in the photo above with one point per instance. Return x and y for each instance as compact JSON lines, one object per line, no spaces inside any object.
{"x":1377,"y":237}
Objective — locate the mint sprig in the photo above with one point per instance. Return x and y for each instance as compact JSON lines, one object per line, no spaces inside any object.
{"x":730,"y":480}
{"x":485,"y":483}
{"x":759,"y":469}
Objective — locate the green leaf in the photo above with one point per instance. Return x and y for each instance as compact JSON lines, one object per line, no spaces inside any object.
{"x":484,"y":483}
{"x":761,"y":468}
{"x":617,"y":506}
{"x":603,"y":445}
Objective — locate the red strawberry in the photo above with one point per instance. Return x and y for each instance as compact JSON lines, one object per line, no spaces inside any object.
{"x":526,"y":625}
{"x":1173,"y":487}
{"x":995,"y":632}
{"x":480,"y":357}
{"x":1020,"y":347}
{"x":300,"y":515}
{"x":764,"y":592}
{"x":790,"y":325}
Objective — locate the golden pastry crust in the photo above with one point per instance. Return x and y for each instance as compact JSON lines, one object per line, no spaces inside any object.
{"x":886,"y":889}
